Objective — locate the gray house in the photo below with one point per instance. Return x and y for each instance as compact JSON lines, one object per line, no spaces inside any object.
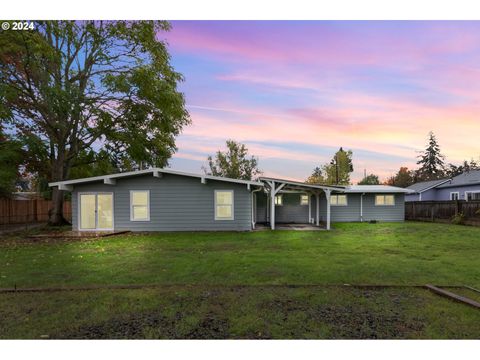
{"x":168,"y":200}
{"x":465,"y":186}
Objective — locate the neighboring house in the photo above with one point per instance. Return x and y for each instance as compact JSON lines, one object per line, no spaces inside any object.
{"x":168,"y":200}
{"x":465,"y":186}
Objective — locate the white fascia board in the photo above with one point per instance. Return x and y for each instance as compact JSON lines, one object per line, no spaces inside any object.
{"x":155,"y":172}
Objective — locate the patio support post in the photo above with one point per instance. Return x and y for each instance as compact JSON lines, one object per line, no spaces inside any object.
{"x":309,"y":208}
{"x":317,"y":212}
{"x":272,"y":205}
{"x":327,"y":195}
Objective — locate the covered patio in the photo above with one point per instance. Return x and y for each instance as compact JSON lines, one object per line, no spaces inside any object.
{"x":274,"y":187}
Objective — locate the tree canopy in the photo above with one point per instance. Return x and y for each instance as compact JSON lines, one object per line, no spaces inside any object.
{"x":337,"y":171}
{"x":70,"y":87}
{"x":233,"y":163}
{"x":11,"y":158}
{"x":370,"y":179}
{"x":403,"y":178}
{"x":431,"y":161}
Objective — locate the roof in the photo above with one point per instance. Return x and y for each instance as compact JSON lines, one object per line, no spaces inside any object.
{"x":426,"y":185}
{"x":376,"y":189}
{"x":152,"y":171}
{"x":293,"y":183}
{"x":468,"y":178}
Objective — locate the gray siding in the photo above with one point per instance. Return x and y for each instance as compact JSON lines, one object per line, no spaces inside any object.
{"x":291,"y":211}
{"x":428,"y":195}
{"x":177,"y":203}
{"x":443,"y":194}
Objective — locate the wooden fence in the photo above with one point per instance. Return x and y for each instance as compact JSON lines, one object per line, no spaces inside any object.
{"x":28,"y":211}
{"x":443,"y":210}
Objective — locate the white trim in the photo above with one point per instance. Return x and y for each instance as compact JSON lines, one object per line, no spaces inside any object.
{"x":455,"y":192}
{"x":384,"y":195}
{"x":79,"y":212}
{"x":155,"y":172}
{"x":215,"y":205}
{"x":148,"y":205}
{"x":470,"y":192}
{"x":337,"y":204}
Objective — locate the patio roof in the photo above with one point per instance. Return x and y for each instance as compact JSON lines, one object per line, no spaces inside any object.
{"x":297,"y":185}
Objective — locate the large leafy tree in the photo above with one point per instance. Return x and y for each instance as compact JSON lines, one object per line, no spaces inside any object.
{"x":370,"y":179}
{"x":233,"y":163}
{"x":69,"y":87}
{"x":316,"y":177}
{"x":339,"y":169}
{"x":11,"y":158}
{"x":403,"y":178}
{"x":454,"y":170}
{"x":431,"y":160}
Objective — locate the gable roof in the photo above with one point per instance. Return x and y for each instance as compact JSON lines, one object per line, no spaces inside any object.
{"x":467,"y":178}
{"x":152,"y":171}
{"x":426,"y":185}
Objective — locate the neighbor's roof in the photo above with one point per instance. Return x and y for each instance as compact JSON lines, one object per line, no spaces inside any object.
{"x":467,"y":178}
{"x":376,"y":189}
{"x":151,"y":171}
{"x":426,"y":185}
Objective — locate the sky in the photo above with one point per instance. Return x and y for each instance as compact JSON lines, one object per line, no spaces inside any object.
{"x":295,"y":91}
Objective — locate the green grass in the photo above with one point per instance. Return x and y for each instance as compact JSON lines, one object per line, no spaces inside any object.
{"x":237,"y":285}
{"x":403,"y":253}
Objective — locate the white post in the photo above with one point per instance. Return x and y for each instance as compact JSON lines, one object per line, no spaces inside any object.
{"x":309,"y":208}
{"x":253,"y":210}
{"x":272,"y":205}
{"x":317,"y":204}
{"x":361,"y":207}
{"x":327,"y":195}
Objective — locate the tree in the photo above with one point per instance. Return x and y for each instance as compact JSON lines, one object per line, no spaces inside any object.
{"x":453,"y":170}
{"x":11,"y":158}
{"x":339,"y":169}
{"x":403,"y":178}
{"x":431,"y":161}
{"x":316,"y":177}
{"x":233,"y":163}
{"x":369,"y":180}
{"x":72,"y":86}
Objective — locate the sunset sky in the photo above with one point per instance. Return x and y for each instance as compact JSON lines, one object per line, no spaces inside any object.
{"x":294,"y":92}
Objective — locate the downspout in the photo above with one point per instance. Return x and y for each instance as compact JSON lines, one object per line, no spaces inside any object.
{"x":254,"y":205}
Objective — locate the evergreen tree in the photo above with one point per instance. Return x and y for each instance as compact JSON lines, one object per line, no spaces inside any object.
{"x":316,"y":177}
{"x":431,"y":161}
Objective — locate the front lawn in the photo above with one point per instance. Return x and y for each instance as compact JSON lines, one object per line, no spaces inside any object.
{"x":283,"y":284}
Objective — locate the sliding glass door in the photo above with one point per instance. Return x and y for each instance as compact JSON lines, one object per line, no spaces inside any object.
{"x":96,"y":211}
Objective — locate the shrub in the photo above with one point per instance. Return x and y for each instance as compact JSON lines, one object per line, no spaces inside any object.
{"x":477,"y":212}
{"x":458,"y":219}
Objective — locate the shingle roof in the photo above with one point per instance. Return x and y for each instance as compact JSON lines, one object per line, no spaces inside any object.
{"x":467,"y":178}
{"x":425,"y":185}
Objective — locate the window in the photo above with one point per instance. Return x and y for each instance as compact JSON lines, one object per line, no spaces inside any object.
{"x":384,"y":200}
{"x":303,"y":199}
{"x":279,"y":200}
{"x":472,"y":195}
{"x":454,"y":195}
{"x":338,"y":200}
{"x":140,"y":205}
{"x":223,"y":204}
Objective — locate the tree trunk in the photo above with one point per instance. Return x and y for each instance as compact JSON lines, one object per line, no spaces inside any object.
{"x":58,"y":174}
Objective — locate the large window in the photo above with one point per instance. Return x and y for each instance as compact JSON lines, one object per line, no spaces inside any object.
{"x":472,"y":195}
{"x":223,"y":204}
{"x":454,"y":195}
{"x":140,"y":205}
{"x":384,"y":200}
{"x":279,"y":200}
{"x":303,"y":199}
{"x":338,"y":200}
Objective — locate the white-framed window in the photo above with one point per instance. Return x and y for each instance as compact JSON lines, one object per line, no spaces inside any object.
{"x":454,"y":195}
{"x":279,"y":200}
{"x":472,"y":195}
{"x":139,"y":205}
{"x":338,"y":200}
{"x":224,"y":205}
{"x":384,"y":200}
{"x":303,"y":199}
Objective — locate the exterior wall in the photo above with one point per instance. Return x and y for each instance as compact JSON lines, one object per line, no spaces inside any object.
{"x":444,"y":193}
{"x":428,"y":195}
{"x":177,"y":203}
{"x":348,"y":213}
{"x":261,"y":207}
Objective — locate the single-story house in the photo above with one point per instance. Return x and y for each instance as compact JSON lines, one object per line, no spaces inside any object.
{"x":465,"y":186}
{"x":167,"y":200}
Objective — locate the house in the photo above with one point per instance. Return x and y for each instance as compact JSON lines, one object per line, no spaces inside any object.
{"x":465,"y":186}
{"x":168,"y":200}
